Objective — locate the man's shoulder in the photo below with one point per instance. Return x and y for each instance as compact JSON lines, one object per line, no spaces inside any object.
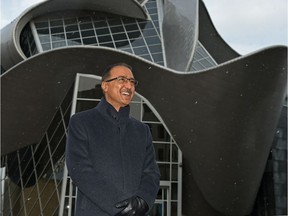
{"x":86,"y":114}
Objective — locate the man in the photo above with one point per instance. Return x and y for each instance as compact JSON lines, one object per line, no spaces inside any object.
{"x":109,"y":155}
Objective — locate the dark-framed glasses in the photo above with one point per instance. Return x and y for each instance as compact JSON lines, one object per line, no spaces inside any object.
{"x":122,"y":80}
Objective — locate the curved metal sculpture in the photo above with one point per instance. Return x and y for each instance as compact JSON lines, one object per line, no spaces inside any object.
{"x":223,"y":119}
{"x":10,"y":35}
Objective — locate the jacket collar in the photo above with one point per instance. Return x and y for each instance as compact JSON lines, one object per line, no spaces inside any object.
{"x":107,"y":109}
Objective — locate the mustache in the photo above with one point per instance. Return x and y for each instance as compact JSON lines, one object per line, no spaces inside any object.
{"x":127,"y":90}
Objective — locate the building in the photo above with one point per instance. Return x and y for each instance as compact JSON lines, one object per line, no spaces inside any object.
{"x":213,"y":114}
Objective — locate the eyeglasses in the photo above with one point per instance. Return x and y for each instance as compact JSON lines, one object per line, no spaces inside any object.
{"x":122,"y":80}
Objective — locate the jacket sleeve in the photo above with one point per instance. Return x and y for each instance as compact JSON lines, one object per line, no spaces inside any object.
{"x":98,"y":189}
{"x":150,"y":180}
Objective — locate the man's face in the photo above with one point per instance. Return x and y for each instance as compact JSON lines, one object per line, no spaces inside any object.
{"x":117,"y":93}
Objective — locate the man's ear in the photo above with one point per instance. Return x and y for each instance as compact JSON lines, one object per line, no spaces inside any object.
{"x":104,"y":86}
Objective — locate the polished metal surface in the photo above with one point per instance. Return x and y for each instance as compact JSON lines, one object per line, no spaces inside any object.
{"x":180,"y":32}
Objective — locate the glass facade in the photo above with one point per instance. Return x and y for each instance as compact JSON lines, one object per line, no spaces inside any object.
{"x":33,"y":175}
{"x":202,"y":59}
{"x":77,"y":28}
{"x":27,"y":42}
{"x":135,"y":36}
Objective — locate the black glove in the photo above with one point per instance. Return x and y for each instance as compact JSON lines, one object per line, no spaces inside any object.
{"x":134,"y":206}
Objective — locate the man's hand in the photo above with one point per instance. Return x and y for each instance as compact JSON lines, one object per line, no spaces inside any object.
{"x":134,"y":206}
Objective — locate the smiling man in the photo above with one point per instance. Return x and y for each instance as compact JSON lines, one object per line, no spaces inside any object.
{"x":110,"y":155}
{"x":120,"y":89}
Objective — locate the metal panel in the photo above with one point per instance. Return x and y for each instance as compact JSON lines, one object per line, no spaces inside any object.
{"x":180,"y":32}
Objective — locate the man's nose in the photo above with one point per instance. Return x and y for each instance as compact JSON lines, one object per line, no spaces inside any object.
{"x":128,"y":84}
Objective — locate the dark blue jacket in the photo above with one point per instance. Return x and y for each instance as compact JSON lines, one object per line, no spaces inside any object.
{"x":110,"y":157}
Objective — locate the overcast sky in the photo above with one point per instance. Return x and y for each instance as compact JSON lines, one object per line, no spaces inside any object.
{"x":246,"y":25}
